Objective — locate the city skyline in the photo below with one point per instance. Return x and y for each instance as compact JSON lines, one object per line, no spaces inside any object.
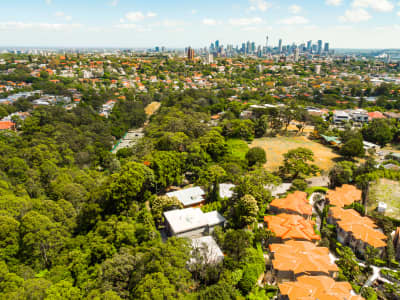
{"x":176,"y":24}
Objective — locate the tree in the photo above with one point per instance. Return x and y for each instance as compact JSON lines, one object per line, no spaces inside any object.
{"x":211,"y":178}
{"x":9,"y":238}
{"x":341,"y":173}
{"x":168,"y":168}
{"x":256,"y":155}
{"x":348,"y":264}
{"x":296,"y":164}
{"x":379,"y":132}
{"x":63,"y":290}
{"x":130,"y":184}
{"x":260,"y":126}
{"x":160,"y":204}
{"x":214,"y":144}
{"x":245,"y":211}
{"x":156,"y":286}
{"x":353,"y":148}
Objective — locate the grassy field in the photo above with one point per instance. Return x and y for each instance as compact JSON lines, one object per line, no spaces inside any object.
{"x":152,"y":108}
{"x":277,"y":146}
{"x":388,"y":191}
{"x":237,"y":148}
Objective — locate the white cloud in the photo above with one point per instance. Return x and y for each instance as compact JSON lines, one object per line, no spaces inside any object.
{"x":132,"y":26}
{"x":398,"y":13}
{"x":62,"y":15}
{"x":137,"y":16}
{"x":311,"y":27}
{"x":355,"y":15}
{"x":134,"y":16}
{"x":38,"y":26}
{"x":378,"y":5}
{"x":295,"y":20}
{"x":259,"y":5}
{"x":194,"y":11}
{"x":114,"y":2}
{"x":334,"y":2}
{"x":173,"y":23}
{"x":48,"y":2}
{"x":295,"y":9}
{"x":208,"y":21}
{"x":245,"y":21}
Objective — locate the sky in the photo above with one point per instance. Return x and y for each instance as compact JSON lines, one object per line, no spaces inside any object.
{"x":177,"y":24}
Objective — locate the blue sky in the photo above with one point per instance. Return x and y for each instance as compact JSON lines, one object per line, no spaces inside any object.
{"x":176,"y":23}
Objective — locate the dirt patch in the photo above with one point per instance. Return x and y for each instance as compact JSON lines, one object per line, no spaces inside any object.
{"x":387,"y":191}
{"x":276,"y":147}
{"x":152,"y":108}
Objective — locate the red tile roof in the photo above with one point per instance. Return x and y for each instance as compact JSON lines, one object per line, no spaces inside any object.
{"x":302,"y":257}
{"x":296,"y":202}
{"x":287,"y":226}
{"x":317,"y":287}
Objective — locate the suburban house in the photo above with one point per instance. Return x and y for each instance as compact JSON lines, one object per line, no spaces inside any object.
{"x":190,"y":197}
{"x":356,"y":231}
{"x":297,"y":258}
{"x":340,"y":117}
{"x":295,"y":203}
{"x":316,"y":287}
{"x":7,"y":125}
{"x":359,"y":115}
{"x":226,"y":190}
{"x":343,"y":196}
{"x":192,"y":222}
{"x":291,"y":227}
{"x":207,"y":249}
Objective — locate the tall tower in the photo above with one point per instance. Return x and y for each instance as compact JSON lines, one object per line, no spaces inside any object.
{"x":266,"y":43}
{"x":280,"y":45}
{"x":190,"y":53}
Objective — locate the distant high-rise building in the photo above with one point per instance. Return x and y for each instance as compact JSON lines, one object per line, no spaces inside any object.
{"x":190,"y":53}
{"x":280,"y":45}
{"x":296,"y":54}
{"x":317,"y":69}
{"x":326,"y":47}
{"x":319,"y":47}
{"x":217,"y":45}
{"x":309,"y":45}
{"x":253,"y":47}
{"x":157,"y":49}
{"x":209,"y":59}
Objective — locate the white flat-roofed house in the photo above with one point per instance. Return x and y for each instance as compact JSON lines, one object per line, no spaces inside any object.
{"x":191,"y":222}
{"x":226,"y":190}
{"x":189,"y":197}
{"x":208,"y":251}
{"x":340,"y":116}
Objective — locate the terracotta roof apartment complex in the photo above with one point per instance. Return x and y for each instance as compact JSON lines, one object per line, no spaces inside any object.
{"x":343,"y":196}
{"x":302,"y":258}
{"x":293,"y":203}
{"x":286,"y":226}
{"x":360,"y":228}
{"x":317,"y":287}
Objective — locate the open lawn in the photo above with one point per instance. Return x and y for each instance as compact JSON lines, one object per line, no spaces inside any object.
{"x":237,"y":148}
{"x":387,"y":191}
{"x":152,"y":108}
{"x":277,"y":146}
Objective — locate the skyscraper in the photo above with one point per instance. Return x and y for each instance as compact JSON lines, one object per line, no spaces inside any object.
{"x":190,"y":53}
{"x":309,"y":45}
{"x":280,"y":45}
{"x":326,"y":47}
{"x":319,"y":47}
{"x":217,"y":45}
